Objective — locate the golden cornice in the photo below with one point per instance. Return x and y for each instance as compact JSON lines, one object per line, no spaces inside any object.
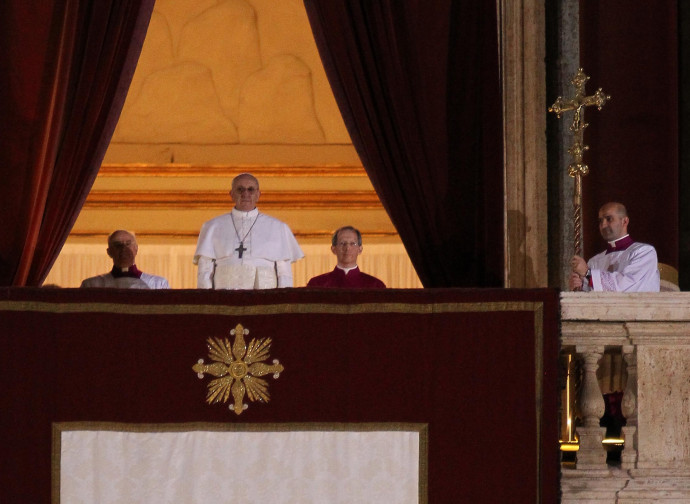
{"x":191,"y":170}
{"x":297,"y":200}
{"x":101,"y":233}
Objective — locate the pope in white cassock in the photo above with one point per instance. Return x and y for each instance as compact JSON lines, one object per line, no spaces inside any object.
{"x":625,"y":265}
{"x":245,"y":249}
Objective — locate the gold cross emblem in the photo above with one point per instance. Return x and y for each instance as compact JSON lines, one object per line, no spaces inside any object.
{"x":237,"y":368}
{"x":578,"y":169}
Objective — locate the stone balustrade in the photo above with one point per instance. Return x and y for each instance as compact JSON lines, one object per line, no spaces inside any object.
{"x":652,"y":333}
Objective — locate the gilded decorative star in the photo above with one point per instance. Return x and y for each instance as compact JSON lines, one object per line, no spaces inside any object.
{"x":237,"y":367}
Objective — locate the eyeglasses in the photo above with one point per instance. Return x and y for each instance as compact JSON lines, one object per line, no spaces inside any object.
{"x":121,"y":244}
{"x":346,"y":244}
{"x":242,"y":190}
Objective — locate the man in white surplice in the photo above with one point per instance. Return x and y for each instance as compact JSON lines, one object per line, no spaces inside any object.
{"x":245,"y":249}
{"x":625,"y":265}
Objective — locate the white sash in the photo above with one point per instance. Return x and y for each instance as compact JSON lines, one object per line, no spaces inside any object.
{"x":244,"y":276}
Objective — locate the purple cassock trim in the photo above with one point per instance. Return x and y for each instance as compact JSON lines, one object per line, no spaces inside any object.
{"x":132,"y":271}
{"x":620,"y":244}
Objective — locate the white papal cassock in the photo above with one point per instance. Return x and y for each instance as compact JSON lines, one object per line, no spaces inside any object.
{"x":263,"y":261}
{"x":625,"y":266}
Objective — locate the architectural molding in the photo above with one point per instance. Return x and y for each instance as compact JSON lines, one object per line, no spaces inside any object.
{"x":296,"y":200}
{"x":194,"y":233}
{"x":523,"y":76}
{"x":619,"y":307}
{"x":228,"y":170}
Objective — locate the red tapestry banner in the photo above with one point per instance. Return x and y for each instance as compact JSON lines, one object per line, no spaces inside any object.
{"x":477,"y":367}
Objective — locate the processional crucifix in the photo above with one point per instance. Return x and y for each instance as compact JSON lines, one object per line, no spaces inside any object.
{"x":577,"y":169}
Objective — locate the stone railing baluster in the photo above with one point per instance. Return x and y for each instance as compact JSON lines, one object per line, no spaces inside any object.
{"x":591,"y":454}
{"x":629,"y":409}
{"x":652,"y":332}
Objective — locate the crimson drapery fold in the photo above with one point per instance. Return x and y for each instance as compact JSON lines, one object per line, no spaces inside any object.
{"x":418,"y":87}
{"x":634,"y":143}
{"x":65,"y":69}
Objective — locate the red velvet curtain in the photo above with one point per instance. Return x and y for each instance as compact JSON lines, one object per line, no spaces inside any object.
{"x":65,"y":68}
{"x":417,"y":83}
{"x":632,"y":53}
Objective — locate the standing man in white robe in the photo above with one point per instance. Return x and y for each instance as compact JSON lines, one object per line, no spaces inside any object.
{"x":245,"y":249}
{"x":625,"y":265}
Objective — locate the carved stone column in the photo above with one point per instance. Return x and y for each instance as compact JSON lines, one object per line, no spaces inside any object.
{"x":629,"y":409}
{"x":523,"y":78}
{"x":591,"y":454}
{"x":563,"y":61}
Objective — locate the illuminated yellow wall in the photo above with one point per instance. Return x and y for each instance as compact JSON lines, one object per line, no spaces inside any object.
{"x":224,"y":87}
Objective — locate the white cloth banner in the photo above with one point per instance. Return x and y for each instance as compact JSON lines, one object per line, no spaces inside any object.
{"x":100,"y":466}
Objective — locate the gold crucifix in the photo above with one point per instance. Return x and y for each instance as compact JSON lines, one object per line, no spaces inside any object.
{"x":577,"y":169}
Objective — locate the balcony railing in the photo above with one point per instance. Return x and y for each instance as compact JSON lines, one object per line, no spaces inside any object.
{"x":652,"y":334}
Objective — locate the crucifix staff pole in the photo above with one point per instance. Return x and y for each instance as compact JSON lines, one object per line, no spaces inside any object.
{"x":578,"y":169}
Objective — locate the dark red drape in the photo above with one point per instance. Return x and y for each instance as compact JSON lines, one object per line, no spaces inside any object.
{"x":632,"y":53}
{"x":65,"y":67}
{"x":417,"y":83}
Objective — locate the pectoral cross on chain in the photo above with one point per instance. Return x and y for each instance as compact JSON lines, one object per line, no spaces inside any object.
{"x":577,"y":169}
{"x":241,"y":249}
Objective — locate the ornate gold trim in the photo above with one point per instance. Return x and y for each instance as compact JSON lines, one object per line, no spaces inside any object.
{"x":191,"y":170}
{"x":351,"y":200}
{"x":421,"y":428}
{"x":273,"y":309}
